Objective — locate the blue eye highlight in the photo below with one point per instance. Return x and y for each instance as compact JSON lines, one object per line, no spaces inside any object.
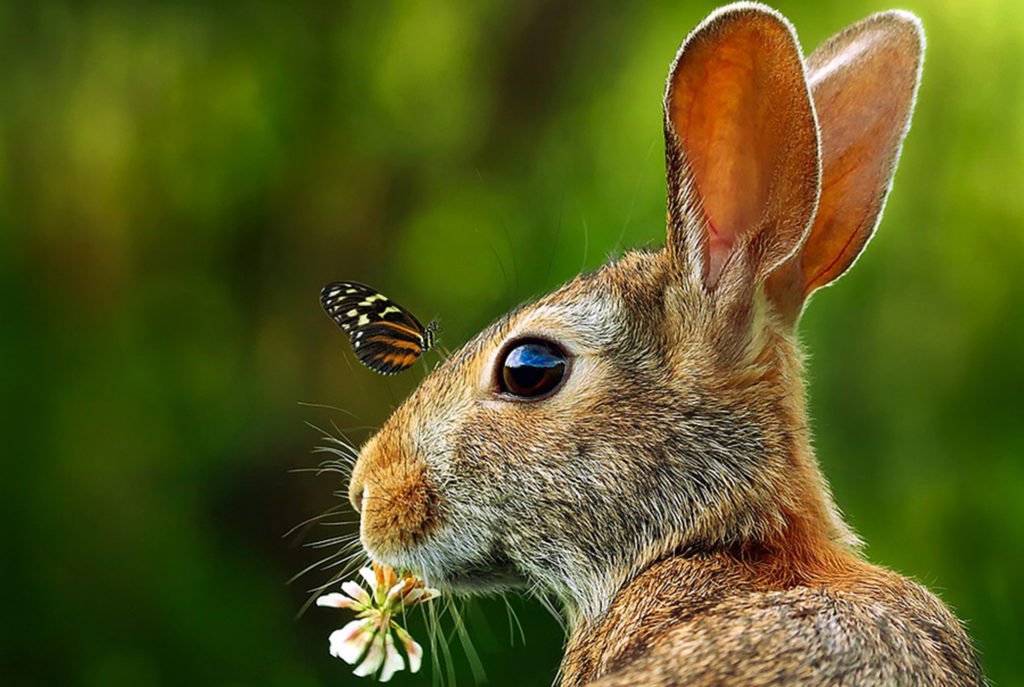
{"x":532,"y":369}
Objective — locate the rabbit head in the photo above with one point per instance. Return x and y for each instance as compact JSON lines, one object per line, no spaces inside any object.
{"x":656,"y":404}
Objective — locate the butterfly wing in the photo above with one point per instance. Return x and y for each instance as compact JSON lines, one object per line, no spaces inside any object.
{"x":387,"y":347}
{"x":386,"y":337}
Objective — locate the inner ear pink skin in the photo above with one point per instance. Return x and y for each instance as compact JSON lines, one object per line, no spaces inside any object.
{"x":717,"y":114}
{"x":740,"y":109}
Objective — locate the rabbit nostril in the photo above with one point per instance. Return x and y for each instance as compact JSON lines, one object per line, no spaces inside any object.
{"x":356,"y":494}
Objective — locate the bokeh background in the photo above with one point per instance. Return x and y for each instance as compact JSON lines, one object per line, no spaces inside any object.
{"x":178,"y":180}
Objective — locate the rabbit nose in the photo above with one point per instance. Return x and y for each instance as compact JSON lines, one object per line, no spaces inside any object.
{"x":356,"y":493}
{"x":401,"y":507}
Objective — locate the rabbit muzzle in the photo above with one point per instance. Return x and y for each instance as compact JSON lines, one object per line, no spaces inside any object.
{"x":395,"y":501}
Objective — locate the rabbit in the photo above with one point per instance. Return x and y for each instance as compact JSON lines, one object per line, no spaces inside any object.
{"x":636,"y":443}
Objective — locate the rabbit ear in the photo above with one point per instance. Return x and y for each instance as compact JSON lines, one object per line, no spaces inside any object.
{"x":864,"y":81}
{"x":741,"y":146}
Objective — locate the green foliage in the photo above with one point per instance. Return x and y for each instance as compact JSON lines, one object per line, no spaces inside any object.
{"x":178,"y":180}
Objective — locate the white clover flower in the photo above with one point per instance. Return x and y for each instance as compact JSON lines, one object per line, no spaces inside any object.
{"x":368,"y":641}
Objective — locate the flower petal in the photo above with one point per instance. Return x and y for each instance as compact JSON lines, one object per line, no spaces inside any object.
{"x":390,"y":577}
{"x":385,"y":579}
{"x":412,"y":597}
{"x":371,"y":579}
{"x":356,"y":592}
{"x":393,"y":661}
{"x":349,"y":642}
{"x":396,"y":591}
{"x":335,"y":600}
{"x":374,"y":657}
{"x":412,"y":649}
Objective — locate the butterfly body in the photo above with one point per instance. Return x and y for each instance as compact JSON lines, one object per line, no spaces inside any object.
{"x":386,"y":337}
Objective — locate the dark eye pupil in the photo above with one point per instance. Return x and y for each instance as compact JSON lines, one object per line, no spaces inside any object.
{"x":532,"y":369}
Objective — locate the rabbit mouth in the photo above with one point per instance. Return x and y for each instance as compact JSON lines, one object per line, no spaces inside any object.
{"x":455,"y":572}
{"x":483,"y":578}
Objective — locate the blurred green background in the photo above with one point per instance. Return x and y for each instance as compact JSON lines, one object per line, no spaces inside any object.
{"x":178,"y":180}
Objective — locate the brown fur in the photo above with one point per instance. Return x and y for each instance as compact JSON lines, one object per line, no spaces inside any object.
{"x":668,"y":493}
{"x":707,"y":620}
{"x":401,"y":507}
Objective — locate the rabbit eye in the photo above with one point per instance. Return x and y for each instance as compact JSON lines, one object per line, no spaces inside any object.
{"x":532,"y":369}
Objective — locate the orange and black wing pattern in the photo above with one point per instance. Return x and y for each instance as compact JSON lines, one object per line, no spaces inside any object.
{"x":386,"y":337}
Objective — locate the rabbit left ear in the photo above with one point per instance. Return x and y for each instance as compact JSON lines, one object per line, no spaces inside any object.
{"x":741,"y":147}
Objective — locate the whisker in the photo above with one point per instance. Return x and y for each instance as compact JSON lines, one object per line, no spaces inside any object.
{"x":346,"y":458}
{"x":309,"y":521}
{"x":511,"y":251}
{"x":501,"y":264}
{"x":353,"y":564}
{"x":337,"y":445}
{"x":586,"y":245}
{"x":325,"y":406}
{"x":301,"y":470}
{"x":558,"y":229}
{"x":512,"y":255}
{"x":345,"y":539}
{"x":632,"y":202}
{"x":541,"y":596}
{"x":315,"y":565}
{"x":344,"y":470}
{"x":348,"y":442}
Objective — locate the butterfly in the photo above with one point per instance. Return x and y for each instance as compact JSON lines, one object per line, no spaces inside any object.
{"x":386,"y":337}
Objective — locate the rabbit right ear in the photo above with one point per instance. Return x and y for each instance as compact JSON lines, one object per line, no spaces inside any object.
{"x":742,"y":149}
{"x":864,"y":81}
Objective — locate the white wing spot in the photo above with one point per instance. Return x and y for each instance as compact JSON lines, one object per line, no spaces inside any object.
{"x":352,"y":313}
{"x":389,"y":309}
{"x":363,"y":321}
